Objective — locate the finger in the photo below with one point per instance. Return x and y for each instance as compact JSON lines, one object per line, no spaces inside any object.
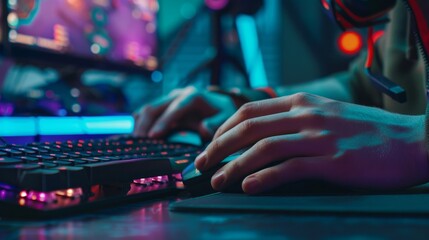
{"x":269,"y":107}
{"x":247,"y":133}
{"x":184,"y":104}
{"x":256,"y":109}
{"x":147,"y":115}
{"x":286,"y":172}
{"x":266,"y":152}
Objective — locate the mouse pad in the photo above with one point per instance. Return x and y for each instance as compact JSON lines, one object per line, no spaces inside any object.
{"x":411,"y":202}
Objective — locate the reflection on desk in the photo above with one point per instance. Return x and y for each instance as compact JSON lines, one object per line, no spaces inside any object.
{"x":153,"y":220}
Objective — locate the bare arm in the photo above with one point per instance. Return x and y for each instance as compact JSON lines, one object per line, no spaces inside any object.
{"x":335,"y":87}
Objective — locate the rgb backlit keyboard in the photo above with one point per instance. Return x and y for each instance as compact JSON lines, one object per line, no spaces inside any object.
{"x":58,"y":175}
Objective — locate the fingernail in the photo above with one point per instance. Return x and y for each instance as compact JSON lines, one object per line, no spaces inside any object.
{"x":201,"y":160}
{"x":218,"y":180}
{"x":251,"y":185}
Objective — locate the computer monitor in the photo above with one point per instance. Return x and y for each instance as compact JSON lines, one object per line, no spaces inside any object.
{"x":107,"y":34}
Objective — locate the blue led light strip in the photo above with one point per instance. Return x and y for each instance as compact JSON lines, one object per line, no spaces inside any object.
{"x":246,"y":27}
{"x":32,"y":126}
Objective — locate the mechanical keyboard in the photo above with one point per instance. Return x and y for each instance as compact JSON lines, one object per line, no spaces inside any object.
{"x":52,"y":178}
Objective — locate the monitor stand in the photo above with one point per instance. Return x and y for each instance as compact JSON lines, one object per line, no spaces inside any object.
{"x":221,"y":56}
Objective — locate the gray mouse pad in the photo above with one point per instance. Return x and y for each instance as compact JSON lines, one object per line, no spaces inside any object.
{"x":413,"y":202}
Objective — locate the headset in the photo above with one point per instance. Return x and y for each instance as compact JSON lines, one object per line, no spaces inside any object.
{"x":350,"y":14}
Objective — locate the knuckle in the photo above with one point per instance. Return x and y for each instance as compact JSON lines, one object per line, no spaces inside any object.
{"x":266,"y":145}
{"x":214,"y":147}
{"x":247,"y":110}
{"x":301,"y":98}
{"x":219,"y":131}
{"x":248,"y":126}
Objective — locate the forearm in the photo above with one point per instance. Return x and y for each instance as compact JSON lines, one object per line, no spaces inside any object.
{"x":338,"y":86}
{"x":335,"y":86}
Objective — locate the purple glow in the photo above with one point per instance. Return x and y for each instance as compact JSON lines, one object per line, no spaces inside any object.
{"x":43,"y":197}
{"x":142,"y":181}
{"x":216,"y":4}
{"x":151,"y":180}
{"x":3,"y":194}
{"x":6,"y":186}
{"x":70,"y":26}
{"x":6,"y":109}
{"x":178,"y":176}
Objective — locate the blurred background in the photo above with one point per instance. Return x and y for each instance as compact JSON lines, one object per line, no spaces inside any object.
{"x":236,"y":43}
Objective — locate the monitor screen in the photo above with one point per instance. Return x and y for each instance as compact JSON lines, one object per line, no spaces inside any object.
{"x":95,"y":33}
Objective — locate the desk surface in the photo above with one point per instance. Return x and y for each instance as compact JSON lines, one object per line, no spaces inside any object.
{"x":153,"y":220}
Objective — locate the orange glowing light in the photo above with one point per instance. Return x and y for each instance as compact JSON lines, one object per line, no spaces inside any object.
{"x":350,"y":42}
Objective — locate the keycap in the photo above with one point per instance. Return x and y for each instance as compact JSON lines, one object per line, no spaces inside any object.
{"x":25,"y":150}
{"x":74,"y":176}
{"x":28,"y":159}
{"x":12,"y":152}
{"x":10,"y":174}
{"x":9,"y":161}
{"x":42,"y":180}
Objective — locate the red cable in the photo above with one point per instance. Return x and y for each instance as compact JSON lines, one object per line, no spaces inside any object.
{"x":370,"y":51}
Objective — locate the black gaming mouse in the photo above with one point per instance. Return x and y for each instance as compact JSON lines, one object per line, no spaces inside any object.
{"x":198,"y":183}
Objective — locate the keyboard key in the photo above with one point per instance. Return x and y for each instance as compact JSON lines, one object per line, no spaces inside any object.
{"x":71,"y":155}
{"x":47,"y":164}
{"x":12,"y":152}
{"x":60,"y":163}
{"x":126,"y":170}
{"x":58,"y":155}
{"x":73,"y":176}
{"x":9,"y":161}
{"x":28,"y":159}
{"x":39,"y":150}
{"x":10,"y":174}
{"x":51,"y":149}
{"x":75,"y":162}
{"x":25,"y":150}
{"x":42,"y":180}
{"x":44,"y":157}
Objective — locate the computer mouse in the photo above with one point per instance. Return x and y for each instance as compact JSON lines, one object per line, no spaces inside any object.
{"x":198,"y":183}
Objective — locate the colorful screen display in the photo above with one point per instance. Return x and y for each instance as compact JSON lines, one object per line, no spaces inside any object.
{"x":119,"y":31}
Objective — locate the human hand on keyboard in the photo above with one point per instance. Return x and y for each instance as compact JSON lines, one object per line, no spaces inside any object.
{"x":304,"y":136}
{"x":187,"y":108}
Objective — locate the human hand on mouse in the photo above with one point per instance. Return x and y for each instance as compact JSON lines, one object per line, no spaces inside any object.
{"x":188,"y":108}
{"x":304,"y":136}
